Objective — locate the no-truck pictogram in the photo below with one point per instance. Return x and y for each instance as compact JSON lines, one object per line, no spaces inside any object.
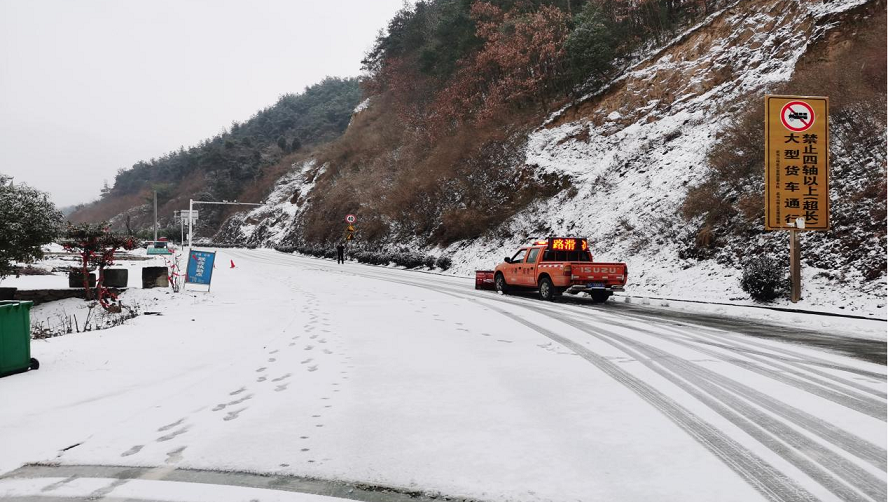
{"x":797,"y":116}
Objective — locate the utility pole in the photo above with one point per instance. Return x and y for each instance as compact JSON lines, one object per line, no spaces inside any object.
{"x":155,"y":216}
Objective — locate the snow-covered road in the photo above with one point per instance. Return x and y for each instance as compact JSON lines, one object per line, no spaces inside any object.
{"x":340,"y":380}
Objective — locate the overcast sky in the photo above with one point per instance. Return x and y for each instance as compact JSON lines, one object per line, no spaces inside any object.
{"x":88,"y":87}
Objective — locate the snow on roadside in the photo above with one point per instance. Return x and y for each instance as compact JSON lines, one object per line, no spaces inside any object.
{"x":312,"y":378}
{"x":632,"y":157}
{"x":632,"y":162}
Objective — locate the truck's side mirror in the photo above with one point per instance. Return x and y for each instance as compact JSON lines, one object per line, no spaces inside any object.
{"x":507,"y":259}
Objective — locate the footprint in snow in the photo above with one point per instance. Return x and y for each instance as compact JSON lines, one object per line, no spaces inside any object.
{"x":273,"y":352}
{"x":282,"y":377}
{"x":170,"y":426}
{"x":175,"y":455}
{"x":239,"y":401}
{"x":281,"y":387}
{"x":271,"y":359}
{"x":309,"y":347}
{"x":260,"y":370}
{"x":132,"y":451}
{"x":313,"y":367}
{"x":307,"y":361}
{"x":328,"y":351}
{"x":173,"y":434}
{"x":238,"y":391}
{"x":292,"y":344}
{"x":219,"y":407}
{"x":312,"y":337}
{"x":261,"y":379}
{"x":233,"y":414}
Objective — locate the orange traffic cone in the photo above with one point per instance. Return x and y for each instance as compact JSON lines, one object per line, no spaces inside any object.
{"x":232,"y":263}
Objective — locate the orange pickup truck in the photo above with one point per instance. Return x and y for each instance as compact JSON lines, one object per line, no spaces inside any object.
{"x":559,"y":265}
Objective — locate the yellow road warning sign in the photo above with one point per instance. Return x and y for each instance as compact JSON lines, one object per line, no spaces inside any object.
{"x":796,"y":162}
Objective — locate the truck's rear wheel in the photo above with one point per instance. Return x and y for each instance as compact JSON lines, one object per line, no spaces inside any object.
{"x":547,"y":289}
{"x":500,"y":282}
{"x":599,"y":296}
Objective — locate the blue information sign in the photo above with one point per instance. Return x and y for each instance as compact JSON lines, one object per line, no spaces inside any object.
{"x":200,"y":267}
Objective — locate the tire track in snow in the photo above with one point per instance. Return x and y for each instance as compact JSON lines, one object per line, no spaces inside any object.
{"x":817,"y":386}
{"x":698,"y":381}
{"x":800,"y":366}
{"x":771,"y":483}
{"x":747,"y":342}
{"x":764,"y":481}
{"x":727,"y":340}
{"x":847,"y":441}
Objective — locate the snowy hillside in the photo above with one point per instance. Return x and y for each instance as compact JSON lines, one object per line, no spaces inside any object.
{"x":631,"y":151}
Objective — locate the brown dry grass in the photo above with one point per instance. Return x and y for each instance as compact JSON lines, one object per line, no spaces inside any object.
{"x":848,"y":66}
{"x":394,"y":177}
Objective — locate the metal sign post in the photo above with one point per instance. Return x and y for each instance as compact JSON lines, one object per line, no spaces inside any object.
{"x":796,"y":172}
{"x":350,"y":229}
{"x":182,"y":215}
{"x":795,"y":261}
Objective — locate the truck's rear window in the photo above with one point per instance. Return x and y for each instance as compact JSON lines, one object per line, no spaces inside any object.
{"x":551,"y":255}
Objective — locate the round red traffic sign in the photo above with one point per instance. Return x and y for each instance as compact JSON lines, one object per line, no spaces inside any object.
{"x":350,"y":218}
{"x":797,"y":116}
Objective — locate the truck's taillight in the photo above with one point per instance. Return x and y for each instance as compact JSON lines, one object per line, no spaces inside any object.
{"x":567,"y":270}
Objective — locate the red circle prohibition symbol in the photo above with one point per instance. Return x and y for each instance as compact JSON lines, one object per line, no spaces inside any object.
{"x":797,"y":116}
{"x":350,"y":218}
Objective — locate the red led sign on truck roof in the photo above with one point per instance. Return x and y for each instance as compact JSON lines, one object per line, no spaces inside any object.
{"x":567,"y":244}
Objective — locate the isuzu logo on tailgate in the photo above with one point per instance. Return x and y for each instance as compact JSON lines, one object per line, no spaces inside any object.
{"x":597,"y":270}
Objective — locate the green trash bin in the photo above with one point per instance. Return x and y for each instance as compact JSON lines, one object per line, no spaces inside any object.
{"x":15,"y":338}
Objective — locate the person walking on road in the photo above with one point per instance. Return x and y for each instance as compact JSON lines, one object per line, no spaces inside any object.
{"x":340,"y":253}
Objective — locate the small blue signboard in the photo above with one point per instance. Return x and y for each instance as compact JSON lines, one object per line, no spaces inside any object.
{"x":200,"y":267}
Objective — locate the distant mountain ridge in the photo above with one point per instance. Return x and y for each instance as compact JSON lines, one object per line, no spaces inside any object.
{"x":237,"y":163}
{"x":660,"y":168}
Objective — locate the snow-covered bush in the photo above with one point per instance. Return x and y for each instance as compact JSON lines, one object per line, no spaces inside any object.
{"x":763,"y":278}
{"x":28,"y":220}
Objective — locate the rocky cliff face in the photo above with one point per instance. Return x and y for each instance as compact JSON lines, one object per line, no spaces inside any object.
{"x":632,"y":151}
